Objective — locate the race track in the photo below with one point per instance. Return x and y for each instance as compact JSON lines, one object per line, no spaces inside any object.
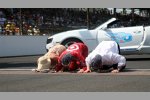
{"x":16,"y":75}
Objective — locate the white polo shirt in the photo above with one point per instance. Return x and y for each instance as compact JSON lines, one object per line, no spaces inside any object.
{"x":107,"y":46}
{"x":109,"y":52}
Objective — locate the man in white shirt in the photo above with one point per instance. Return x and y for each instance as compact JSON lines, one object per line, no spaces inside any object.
{"x":105,"y":56}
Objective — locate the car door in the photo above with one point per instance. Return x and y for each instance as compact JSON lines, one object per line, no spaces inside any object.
{"x":129,"y":38}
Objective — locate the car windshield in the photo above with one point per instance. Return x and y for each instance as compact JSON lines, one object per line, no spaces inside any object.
{"x":99,"y":23}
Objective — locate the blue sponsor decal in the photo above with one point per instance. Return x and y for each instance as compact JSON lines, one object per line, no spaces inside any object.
{"x":120,"y":37}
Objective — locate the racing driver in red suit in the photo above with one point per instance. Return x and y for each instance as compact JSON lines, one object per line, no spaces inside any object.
{"x":73,"y":58}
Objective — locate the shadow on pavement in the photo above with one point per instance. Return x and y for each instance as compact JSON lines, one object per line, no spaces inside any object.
{"x":15,"y":65}
{"x":128,"y":70}
{"x":138,"y":59}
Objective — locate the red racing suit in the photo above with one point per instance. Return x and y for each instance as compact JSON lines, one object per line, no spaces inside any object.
{"x":77,"y":50}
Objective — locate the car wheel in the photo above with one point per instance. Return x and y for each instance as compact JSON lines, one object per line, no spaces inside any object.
{"x":68,"y":42}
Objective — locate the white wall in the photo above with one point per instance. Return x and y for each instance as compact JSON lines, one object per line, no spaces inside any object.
{"x":22,"y":45}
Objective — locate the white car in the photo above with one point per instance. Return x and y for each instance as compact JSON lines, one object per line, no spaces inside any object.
{"x":132,"y":39}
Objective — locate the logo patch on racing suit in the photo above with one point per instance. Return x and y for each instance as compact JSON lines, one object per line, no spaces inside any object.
{"x":73,"y":48}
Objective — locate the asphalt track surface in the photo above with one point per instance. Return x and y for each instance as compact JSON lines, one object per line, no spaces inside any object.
{"x":16,"y":76}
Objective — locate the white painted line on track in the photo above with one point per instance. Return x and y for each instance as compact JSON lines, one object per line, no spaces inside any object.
{"x":29,"y":72}
{"x":127,"y":71}
{"x":130,"y":69}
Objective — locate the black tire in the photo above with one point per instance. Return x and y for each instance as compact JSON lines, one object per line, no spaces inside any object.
{"x":68,"y":42}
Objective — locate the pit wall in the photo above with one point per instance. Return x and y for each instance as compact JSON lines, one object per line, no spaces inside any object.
{"x":22,"y":45}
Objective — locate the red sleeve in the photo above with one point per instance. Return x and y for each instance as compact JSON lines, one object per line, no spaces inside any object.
{"x":58,"y":67}
{"x":72,"y":66}
{"x":60,"y":57}
{"x":79,"y":57}
{"x":80,"y":61}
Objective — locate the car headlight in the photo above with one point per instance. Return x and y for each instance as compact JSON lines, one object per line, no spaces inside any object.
{"x":49,"y":40}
